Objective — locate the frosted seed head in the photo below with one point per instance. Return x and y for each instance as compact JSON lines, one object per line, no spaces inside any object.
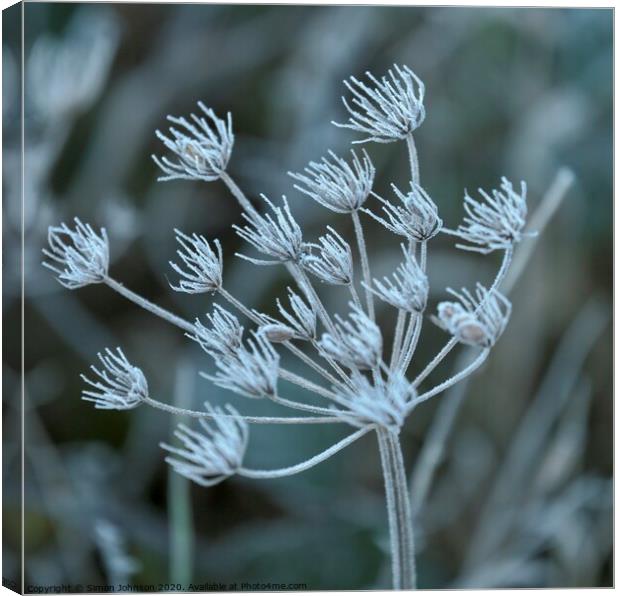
{"x":118,"y":385}
{"x":384,"y":405}
{"x":496,"y":222}
{"x":210,"y":456}
{"x":357,"y":342}
{"x":336,"y":184}
{"x":78,"y":256}
{"x":252,"y":371}
{"x":301,"y":317}
{"x":409,"y":290}
{"x":386,"y":110}
{"x":202,"y":147}
{"x":276,"y":234}
{"x":201,"y":269}
{"x":417,"y":219}
{"x":330,"y":260}
{"x":222,"y":337}
{"x":475,"y":321}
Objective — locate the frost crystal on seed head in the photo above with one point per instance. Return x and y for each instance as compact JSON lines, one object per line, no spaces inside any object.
{"x":357,"y":343}
{"x":278,"y":236}
{"x":223,"y":337}
{"x":416,"y":220}
{"x":119,"y":386}
{"x":409,"y":290}
{"x":203,"y":266}
{"x":213,"y":455}
{"x":78,"y":257}
{"x":365,"y":403}
{"x":497,"y":222}
{"x":387,"y":111}
{"x":478,"y":321}
{"x":252,"y":371}
{"x":332,"y":262}
{"x":335,"y":184}
{"x":203,"y":148}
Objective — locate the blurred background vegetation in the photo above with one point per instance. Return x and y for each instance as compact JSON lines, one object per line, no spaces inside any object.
{"x":521,"y":495}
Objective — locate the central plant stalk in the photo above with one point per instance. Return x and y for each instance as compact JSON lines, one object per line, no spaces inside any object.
{"x":402,"y":545}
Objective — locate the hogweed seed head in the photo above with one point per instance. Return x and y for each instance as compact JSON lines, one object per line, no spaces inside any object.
{"x":389,"y":110}
{"x":203,"y":266}
{"x":357,"y":342}
{"x":365,"y":403}
{"x":475,"y":321}
{"x":203,"y":147}
{"x":330,"y":260}
{"x":211,"y":456}
{"x":118,"y":385}
{"x":252,"y":371}
{"x":497,"y":222}
{"x":337,"y":185}
{"x":302,"y":317}
{"x":78,"y":257}
{"x":416,"y":220}
{"x":278,"y":236}
{"x":409,"y":290}
{"x":223,"y":337}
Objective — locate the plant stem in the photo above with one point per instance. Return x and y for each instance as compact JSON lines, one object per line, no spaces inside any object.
{"x":413,"y":159}
{"x":238,"y":194}
{"x":399,"y":511}
{"x":152,"y":308}
{"x":361,"y":244}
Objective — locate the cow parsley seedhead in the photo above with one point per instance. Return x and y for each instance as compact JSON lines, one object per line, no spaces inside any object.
{"x":211,"y":456}
{"x":302,"y":318}
{"x":416,"y":220}
{"x":497,"y":222}
{"x":203,"y":266}
{"x":330,"y":260}
{"x":118,"y":385}
{"x":384,"y":405}
{"x":409,"y":290}
{"x":203,"y":147}
{"x":252,"y":371}
{"x":277,"y":235}
{"x":478,"y":321}
{"x":223,"y":337}
{"x":389,"y":110}
{"x":337,"y":185}
{"x":357,"y":342}
{"x":78,"y":257}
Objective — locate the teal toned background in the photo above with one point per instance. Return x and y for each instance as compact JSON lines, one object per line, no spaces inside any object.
{"x":515,"y":92}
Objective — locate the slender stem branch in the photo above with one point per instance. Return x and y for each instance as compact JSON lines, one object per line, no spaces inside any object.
{"x":361,"y":244}
{"x":413,"y":159}
{"x":240,"y":306}
{"x":468,"y":370}
{"x":239,"y":195}
{"x":152,"y":308}
{"x":398,"y":336}
{"x":355,"y":295}
{"x":415,"y":326}
{"x":309,"y":385}
{"x":289,"y":403}
{"x":249,"y":419}
{"x":305,"y":465}
{"x":305,"y":285}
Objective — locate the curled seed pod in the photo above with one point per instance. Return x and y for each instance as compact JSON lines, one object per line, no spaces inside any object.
{"x":277,"y":332}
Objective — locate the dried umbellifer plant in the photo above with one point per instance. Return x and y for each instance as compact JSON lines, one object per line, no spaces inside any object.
{"x":366,"y":384}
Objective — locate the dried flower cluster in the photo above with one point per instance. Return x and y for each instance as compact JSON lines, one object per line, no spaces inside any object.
{"x":365,"y":377}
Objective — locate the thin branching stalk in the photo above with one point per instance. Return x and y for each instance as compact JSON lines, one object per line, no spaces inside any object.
{"x":413,"y":159}
{"x":310,"y":463}
{"x":361,"y":245}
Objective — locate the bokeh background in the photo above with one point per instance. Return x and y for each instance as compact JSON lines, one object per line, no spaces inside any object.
{"x":517,"y":488}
